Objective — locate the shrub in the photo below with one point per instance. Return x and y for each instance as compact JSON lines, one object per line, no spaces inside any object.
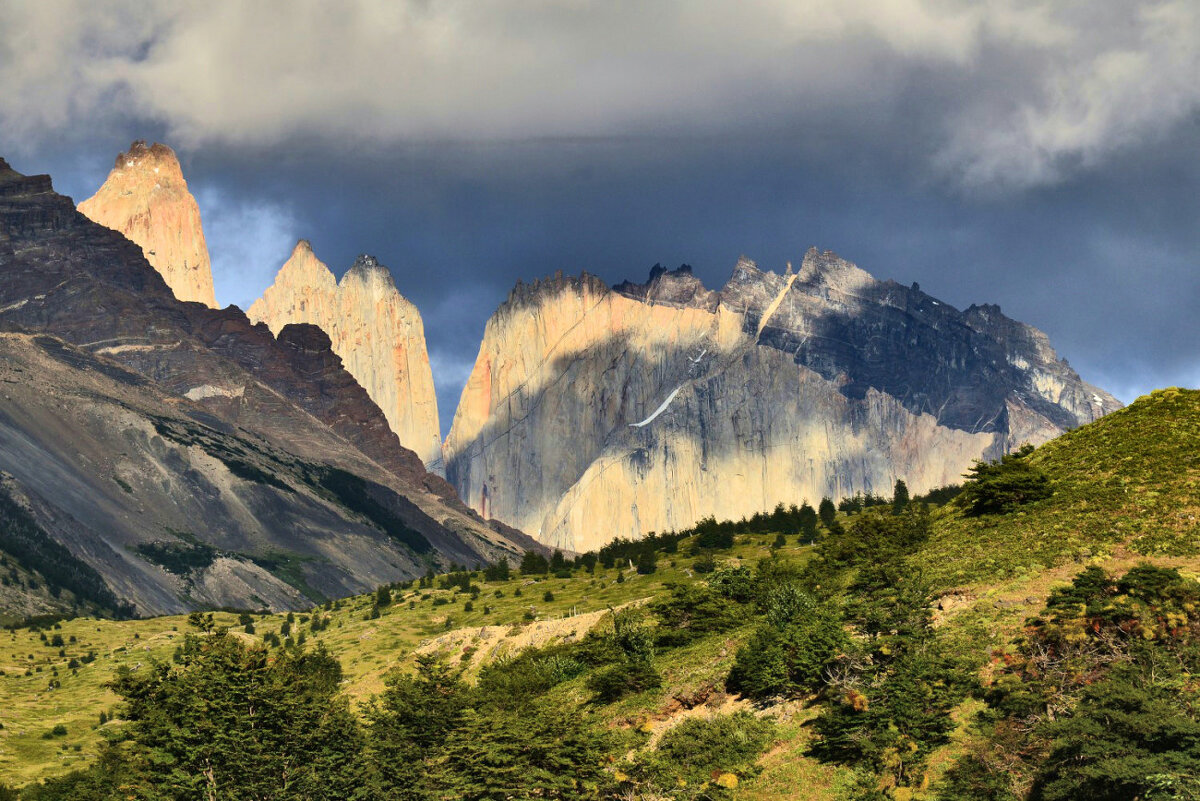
{"x":734,"y":583}
{"x":827,"y":513}
{"x":533,"y":563}
{"x":624,"y":678}
{"x":178,"y":557}
{"x":691,"y":611}
{"x":498,"y":571}
{"x":531,"y":673}
{"x":788,"y":658}
{"x":697,"y":750}
{"x":994,"y":488}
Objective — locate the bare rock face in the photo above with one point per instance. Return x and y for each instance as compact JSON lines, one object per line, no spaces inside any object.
{"x":131,"y":423}
{"x":375,"y":330}
{"x":594,"y":412}
{"x":146,"y":198}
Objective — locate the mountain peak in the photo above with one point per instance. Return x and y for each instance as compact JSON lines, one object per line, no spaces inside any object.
{"x":146,"y":198}
{"x":375,"y":330}
{"x":525,"y":294}
{"x":303,"y":268}
{"x":156,"y":158}
{"x":367,"y":270}
{"x":828,"y":268}
{"x":678,"y":287}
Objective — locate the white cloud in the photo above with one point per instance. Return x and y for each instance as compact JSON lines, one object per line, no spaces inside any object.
{"x":248,"y":241}
{"x":1038,"y":86}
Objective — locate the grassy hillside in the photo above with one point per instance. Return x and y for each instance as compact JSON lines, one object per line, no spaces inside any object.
{"x":367,"y":649}
{"x":1126,"y":484}
{"x":1125,"y":489}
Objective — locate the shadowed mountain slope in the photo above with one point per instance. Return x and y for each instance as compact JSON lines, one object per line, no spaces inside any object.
{"x":680,"y":402}
{"x":290,"y":431}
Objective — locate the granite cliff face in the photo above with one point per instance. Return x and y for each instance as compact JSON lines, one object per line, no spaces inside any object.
{"x":146,"y":198}
{"x":133,"y":425}
{"x":376,"y":331}
{"x":594,"y":412}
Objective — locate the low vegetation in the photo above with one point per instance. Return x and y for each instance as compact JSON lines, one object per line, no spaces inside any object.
{"x":864,"y":653}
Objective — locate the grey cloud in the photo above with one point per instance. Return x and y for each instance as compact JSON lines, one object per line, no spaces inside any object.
{"x":1036,"y":154}
{"x":1080,"y":80}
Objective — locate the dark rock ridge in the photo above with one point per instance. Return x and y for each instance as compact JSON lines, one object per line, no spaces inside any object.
{"x":678,"y":401}
{"x":961,"y":367}
{"x":116,"y":319}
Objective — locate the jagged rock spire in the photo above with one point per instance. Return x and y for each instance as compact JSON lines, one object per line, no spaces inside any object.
{"x":146,"y":198}
{"x":376,"y":331}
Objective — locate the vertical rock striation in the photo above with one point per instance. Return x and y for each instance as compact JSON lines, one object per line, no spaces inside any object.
{"x":146,"y":198}
{"x":594,"y":412}
{"x":376,"y":331}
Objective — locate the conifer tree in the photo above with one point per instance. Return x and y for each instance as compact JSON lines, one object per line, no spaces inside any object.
{"x":827,"y":512}
{"x":899,"y":497}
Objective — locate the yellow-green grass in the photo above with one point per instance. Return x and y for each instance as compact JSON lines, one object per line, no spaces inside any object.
{"x":1131,"y":480}
{"x":367,"y":649}
{"x":787,"y":770}
{"x":692,"y":675}
{"x":1126,"y":488}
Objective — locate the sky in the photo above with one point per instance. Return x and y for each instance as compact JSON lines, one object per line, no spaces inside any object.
{"x":1038,"y":154}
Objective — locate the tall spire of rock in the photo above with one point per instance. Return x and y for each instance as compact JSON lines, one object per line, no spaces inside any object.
{"x":146,"y":198}
{"x":376,"y":331}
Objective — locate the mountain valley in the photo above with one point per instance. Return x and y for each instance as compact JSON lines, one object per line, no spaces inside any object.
{"x":787,"y":539}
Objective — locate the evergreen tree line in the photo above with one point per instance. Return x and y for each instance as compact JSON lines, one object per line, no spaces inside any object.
{"x":803,"y":522}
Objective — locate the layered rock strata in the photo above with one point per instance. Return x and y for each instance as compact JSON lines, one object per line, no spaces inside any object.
{"x":594,"y":412}
{"x":375,"y":330}
{"x":137,"y":423}
{"x":146,"y":198}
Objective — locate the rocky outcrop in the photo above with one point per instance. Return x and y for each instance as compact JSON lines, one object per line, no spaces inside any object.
{"x":262,"y":449}
{"x":146,"y":198}
{"x":676,"y":402}
{"x":375,"y":330}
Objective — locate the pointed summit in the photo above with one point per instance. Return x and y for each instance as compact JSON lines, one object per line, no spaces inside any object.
{"x":303,"y":268}
{"x":376,"y":331}
{"x":146,"y":198}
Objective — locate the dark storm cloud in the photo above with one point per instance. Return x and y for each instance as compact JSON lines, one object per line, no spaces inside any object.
{"x":1040,"y":155}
